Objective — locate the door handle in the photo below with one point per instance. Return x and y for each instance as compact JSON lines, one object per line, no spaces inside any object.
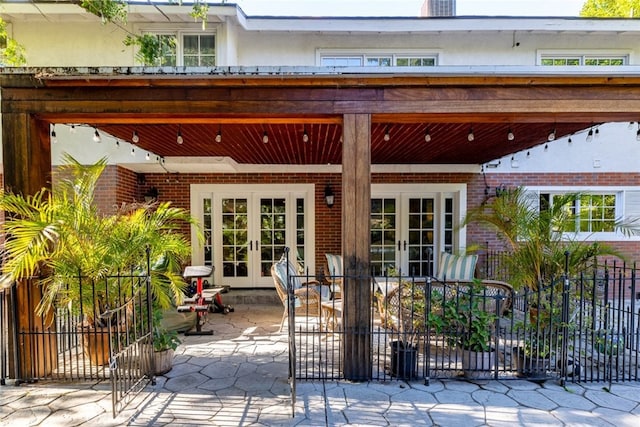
{"x":256,"y":245}
{"x":398,"y":245}
{"x":405,"y":245}
{"x":250,"y":245}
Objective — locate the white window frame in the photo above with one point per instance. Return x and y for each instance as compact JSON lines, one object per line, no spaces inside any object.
{"x":583,"y":54}
{"x":364,"y":54}
{"x":620,"y":209}
{"x":179,"y":33}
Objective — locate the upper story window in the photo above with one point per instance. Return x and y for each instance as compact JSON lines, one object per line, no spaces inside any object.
{"x":186,"y":49}
{"x":576,"y":59}
{"x":374,"y":59}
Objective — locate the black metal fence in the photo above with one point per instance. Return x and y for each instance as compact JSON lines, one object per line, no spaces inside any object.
{"x":64,"y":345}
{"x":580,"y":329}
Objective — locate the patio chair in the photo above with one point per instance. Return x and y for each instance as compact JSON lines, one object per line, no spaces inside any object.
{"x":460,"y":270}
{"x":308,"y":295}
{"x":334,"y":274}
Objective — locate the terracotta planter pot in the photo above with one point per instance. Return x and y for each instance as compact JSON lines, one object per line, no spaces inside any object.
{"x":95,"y":345}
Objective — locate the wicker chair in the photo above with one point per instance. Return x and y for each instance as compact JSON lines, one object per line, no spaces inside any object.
{"x":308,"y":295}
{"x":390,"y":304}
{"x":334,"y":274}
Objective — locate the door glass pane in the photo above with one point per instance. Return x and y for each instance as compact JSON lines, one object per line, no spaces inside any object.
{"x":272,"y":232}
{"x":207,"y":225}
{"x":234,"y":238}
{"x":448,"y":225}
{"x":300,"y":237}
{"x":383,"y":235}
{"x":420,"y":232}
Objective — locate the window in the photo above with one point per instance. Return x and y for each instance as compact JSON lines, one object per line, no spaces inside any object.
{"x":377,"y":60}
{"x":415,"y":61}
{"x":578,"y":60}
{"x":189,"y":50}
{"x":589,"y":213}
{"x":199,"y":50}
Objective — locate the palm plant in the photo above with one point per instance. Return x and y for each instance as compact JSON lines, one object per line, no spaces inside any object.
{"x":535,"y":235}
{"x":61,"y":237}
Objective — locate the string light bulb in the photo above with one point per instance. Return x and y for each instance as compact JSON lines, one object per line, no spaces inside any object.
{"x":427,"y":136}
{"x":147,"y":157}
{"x":265,"y":137}
{"x":638,"y":133}
{"x":96,"y":136}
{"x":386,"y":137}
{"x":552,"y":135}
{"x":630,"y":126}
{"x":546,"y":147}
{"x":471,"y":136}
{"x":54,"y":138}
{"x":305,"y":136}
{"x":219,"y":136}
{"x":135,"y":138}
{"x":133,"y":151}
{"x":510,"y":135}
{"x":72,"y":129}
{"x":179,"y":138}
{"x":117,"y":144}
{"x":596,"y":133}
{"x":590,"y":135}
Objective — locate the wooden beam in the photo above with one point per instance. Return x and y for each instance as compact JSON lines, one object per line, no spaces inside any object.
{"x":356,"y":207}
{"x":27,"y":169}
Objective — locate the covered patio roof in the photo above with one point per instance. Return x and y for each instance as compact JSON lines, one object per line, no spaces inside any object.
{"x":244,"y":105}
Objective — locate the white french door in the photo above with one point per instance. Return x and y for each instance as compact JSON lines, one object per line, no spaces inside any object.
{"x":412,"y":223}
{"x":247,"y":227}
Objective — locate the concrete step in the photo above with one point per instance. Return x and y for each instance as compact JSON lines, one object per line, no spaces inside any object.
{"x":251,"y":296}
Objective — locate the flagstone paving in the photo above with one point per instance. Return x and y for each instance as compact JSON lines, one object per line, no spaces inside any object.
{"x":238,"y":377}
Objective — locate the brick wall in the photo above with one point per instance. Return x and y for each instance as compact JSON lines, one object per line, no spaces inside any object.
{"x":328,"y":220}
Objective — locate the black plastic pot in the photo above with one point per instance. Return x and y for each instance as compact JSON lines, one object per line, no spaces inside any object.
{"x":528,"y":366}
{"x":404,"y":360}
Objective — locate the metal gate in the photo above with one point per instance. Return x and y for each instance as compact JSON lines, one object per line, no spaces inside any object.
{"x":131,"y":361}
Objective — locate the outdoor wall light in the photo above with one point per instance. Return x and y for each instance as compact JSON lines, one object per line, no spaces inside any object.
{"x":329,"y":197}
{"x":151,"y":195}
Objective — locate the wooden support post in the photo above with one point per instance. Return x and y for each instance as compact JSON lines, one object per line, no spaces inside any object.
{"x":356,"y":208}
{"x":26,"y":153}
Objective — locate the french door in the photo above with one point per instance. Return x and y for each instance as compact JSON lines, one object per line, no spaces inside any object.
{"x":412,"y":224}
{"x":246,"y":229}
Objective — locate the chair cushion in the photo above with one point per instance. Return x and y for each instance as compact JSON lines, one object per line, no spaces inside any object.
{"x":455,"y":267}
{"x":334,"y":264}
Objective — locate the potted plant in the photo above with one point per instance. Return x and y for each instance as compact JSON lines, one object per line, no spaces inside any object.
{"x":540,"y":235}
{"x":165,"y":342}
{"x":533,"y":358}
{"x":79,"y":253}
{"x":470,"y":320}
